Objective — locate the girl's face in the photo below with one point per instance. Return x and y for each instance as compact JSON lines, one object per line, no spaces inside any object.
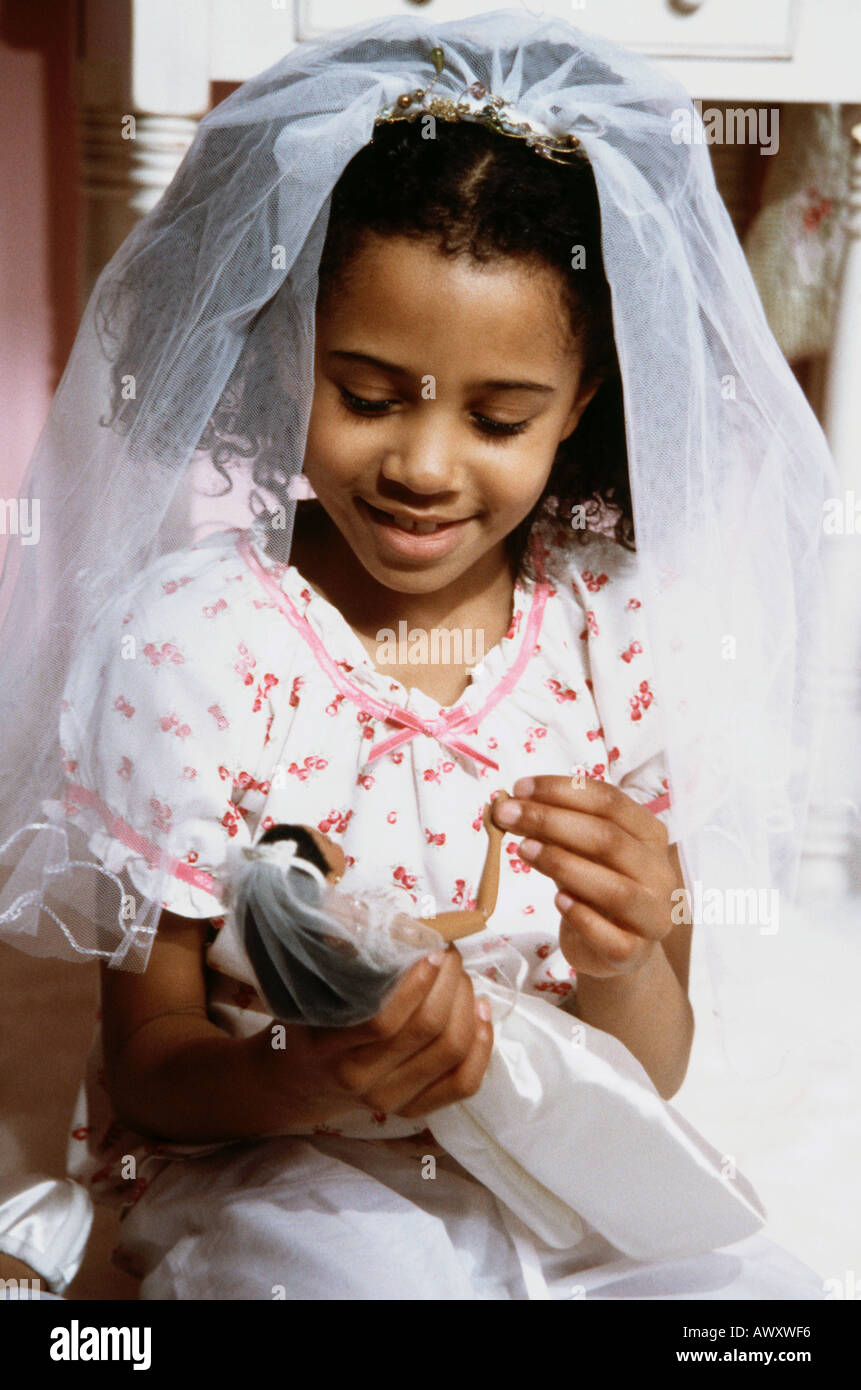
{"x":442,"y":391}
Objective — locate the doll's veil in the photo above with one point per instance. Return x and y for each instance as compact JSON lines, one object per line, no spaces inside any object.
{"x":183,"y":411}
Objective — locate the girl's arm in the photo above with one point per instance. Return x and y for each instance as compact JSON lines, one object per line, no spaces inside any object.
{"x":617,"y":877}
{"x":174,"y":1074}
{"x":170,"y":1071}
{"x":649,"y":1010}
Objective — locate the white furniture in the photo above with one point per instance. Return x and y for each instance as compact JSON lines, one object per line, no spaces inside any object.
{"x":146,"y":69}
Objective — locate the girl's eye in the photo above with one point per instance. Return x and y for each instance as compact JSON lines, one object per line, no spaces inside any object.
{"x":499,"y":427}
{"x":361,"y":406}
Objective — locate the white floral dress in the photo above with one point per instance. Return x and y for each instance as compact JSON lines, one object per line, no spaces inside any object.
{"x":250,"y":701}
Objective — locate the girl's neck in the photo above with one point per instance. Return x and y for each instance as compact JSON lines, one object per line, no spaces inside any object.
{"x":480,"y":601}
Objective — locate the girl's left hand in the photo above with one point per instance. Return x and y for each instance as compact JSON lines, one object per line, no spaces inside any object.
{"x":611,"y":861}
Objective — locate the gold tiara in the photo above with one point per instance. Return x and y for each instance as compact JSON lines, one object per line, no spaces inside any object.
{"x":476,"y":104}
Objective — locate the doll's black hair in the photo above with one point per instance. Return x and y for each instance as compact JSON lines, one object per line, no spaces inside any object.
{"x":476,"y":193}
{"x":305,"y":844}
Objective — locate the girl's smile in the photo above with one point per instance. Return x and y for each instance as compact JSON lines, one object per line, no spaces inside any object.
{"x":417,"y":536}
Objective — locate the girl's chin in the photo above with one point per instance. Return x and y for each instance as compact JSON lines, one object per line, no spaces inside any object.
{"x":409,"y":578}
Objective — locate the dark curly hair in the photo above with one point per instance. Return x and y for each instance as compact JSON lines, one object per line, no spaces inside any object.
{"x":474,"y":193}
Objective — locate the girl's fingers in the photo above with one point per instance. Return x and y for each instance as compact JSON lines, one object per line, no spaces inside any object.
{"x":407,"y":996}
{"x":595,"y":946}
{"x":445,"y":1055}
{"x":591,"y":836}
{"x":594,"y":798}
{"x":616,"y":897}
{"x":460,"y":1084}
{"x":397,"y":1039}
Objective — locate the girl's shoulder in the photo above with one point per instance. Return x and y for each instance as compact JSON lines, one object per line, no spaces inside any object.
{"x":192,"y":603}
{"x":184,"y":584}
{"x":593,"y":575}
{"x":593,"y":561}
{"x":191,"y":633}
{"x":597,"y":636}
{"x":166,"y":724}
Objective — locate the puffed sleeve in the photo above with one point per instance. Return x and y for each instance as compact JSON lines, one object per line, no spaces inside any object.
{"x":604,"y":577}
{"x":164,"y":732}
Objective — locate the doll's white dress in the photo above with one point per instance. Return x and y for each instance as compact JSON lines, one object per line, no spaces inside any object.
{"x":244,"y":699}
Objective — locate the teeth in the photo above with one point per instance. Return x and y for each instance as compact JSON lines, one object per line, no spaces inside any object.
{"x":416,"y":528}
{"x":411,"y":527}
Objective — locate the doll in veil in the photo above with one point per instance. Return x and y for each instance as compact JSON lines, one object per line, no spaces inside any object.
{"x":439,"y":317}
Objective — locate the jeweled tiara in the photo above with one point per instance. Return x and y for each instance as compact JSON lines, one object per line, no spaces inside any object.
{"x":476,"y":104}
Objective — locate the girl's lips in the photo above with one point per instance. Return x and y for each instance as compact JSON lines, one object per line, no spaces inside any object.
{"x":411,"y":544}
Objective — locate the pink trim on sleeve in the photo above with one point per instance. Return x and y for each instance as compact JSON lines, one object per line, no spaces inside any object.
{"x":130,"y":837}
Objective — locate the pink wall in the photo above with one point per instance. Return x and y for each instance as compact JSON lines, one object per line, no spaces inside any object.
{"x":38,"y":221}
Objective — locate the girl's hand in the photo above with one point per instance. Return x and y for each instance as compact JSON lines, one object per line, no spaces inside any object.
{"x":610,"y":859}
{"x":427,"y":1047}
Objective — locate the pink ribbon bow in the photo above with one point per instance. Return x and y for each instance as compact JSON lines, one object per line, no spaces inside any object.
{"x":441,"y":729}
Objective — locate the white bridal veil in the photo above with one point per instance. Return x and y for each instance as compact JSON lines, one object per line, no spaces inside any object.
{"x":214,"y":292}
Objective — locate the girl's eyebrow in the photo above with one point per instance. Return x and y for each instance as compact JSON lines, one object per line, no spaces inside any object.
{"x":395,"y":370}
{"x":517,"y":386}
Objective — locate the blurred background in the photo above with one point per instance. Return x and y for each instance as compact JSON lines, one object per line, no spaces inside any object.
{"x":99,"y":101}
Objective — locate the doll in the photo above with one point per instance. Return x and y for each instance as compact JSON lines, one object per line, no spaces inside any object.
{"x":323,"y":957}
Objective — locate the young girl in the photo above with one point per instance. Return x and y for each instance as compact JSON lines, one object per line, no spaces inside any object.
{"x":469,"y":473}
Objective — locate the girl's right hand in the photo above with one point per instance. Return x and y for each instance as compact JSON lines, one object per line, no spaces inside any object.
{"x":428,"y":1047}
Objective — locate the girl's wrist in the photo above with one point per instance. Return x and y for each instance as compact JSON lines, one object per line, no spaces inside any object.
{"x":296,"y":1091}
{"x":621,"y":983}
{"x":649,"y":1012}
{"x":210,"y":1087}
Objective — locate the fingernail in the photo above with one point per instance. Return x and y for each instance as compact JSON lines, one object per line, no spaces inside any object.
{"x":482,"y":1008}
{"x":507,"y":814}
{"x":524,"y":787}
{"x":436,"y":958}
{"x":563,"y":902}
{"x":529,"y":849}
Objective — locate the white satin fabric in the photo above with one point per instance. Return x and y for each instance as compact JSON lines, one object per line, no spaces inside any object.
{"x":568,"y":1130}
{"x":330,"y":1218}
{"x":46,"y":1223}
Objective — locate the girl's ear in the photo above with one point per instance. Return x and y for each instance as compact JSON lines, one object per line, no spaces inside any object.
{"x":586,"y":391}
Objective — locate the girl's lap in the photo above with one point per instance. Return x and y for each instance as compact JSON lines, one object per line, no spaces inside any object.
{"x":316,"y":1219}
{"x":331,"y":1218}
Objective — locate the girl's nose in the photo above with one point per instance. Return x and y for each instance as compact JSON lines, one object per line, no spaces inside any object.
{"x":425,"y":458}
